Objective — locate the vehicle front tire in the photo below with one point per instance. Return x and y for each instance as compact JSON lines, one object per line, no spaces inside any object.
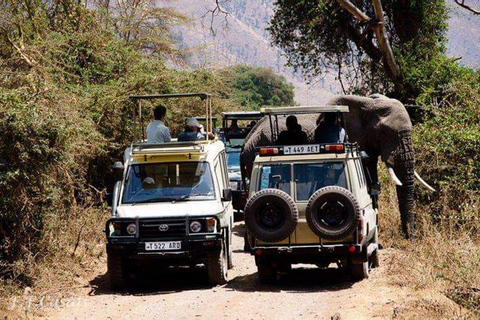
{"x":117,"y":272}
{"x":217,"y":265}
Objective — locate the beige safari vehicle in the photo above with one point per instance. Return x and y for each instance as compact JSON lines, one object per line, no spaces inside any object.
{"x":171,"y":207}
{"x":310,"y":204}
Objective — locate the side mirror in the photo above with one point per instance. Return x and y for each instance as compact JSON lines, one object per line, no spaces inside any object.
{"x":375,"y":189}
{"x":364,"y":155}
{"x":109,"y":198}
{"x":118,"y":168}
{"x":227,"y":194}
{"x":118,"y":165}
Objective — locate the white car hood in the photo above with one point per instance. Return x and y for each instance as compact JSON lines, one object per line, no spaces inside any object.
{"x":169,"y":209}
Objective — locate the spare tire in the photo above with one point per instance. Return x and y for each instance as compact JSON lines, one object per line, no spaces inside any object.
{"x":271,"y":215}
{"x":332,"y":212}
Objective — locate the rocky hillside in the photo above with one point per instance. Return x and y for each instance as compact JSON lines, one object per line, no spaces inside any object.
{"x":241,"y":37}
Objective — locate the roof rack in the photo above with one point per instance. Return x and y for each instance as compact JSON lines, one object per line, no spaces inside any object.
{"x":169,"y":148}
{"x":303,"y":110}
{"x":242,"y":115}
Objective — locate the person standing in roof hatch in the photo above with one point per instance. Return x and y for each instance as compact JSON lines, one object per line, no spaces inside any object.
{"x":293,"y":135}
{"x":157,"y":132}
{"x":193,"y":131}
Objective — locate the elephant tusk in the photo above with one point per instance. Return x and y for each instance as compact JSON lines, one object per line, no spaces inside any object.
{"x":426,"y":185}
{"x":394,"y":176}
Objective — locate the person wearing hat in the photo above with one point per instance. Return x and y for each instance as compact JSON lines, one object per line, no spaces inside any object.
{"x":193,"y":131}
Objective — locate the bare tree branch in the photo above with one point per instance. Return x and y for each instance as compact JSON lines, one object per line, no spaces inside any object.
{"x":378,"y":25}
{"x":215,"y":12}
{"x":462,"y":4}
{"x":350,"y":7}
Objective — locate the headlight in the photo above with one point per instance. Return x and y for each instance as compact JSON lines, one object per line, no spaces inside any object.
{"x":234,"y":185}
{"x":132,"y":229}
{"x":195,"y":226}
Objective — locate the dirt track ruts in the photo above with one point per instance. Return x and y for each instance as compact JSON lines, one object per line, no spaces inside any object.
{"x":306,"y":292}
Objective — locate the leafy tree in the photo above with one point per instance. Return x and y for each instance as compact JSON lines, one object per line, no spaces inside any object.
{"x":318,"y":35}
{"x":254,"y":87}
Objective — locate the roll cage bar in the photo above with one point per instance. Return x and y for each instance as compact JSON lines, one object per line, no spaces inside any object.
{"x":139,"y":129}
{"x":274,"y":112}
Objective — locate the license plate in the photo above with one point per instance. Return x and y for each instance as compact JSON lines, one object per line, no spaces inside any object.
{"x":304,"y":149}
{"x":169,"y":245}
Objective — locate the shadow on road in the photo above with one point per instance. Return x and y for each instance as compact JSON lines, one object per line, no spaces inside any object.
{"x":297,"y":280}
{"x":171,"y":280}
{"x":149,"y":281}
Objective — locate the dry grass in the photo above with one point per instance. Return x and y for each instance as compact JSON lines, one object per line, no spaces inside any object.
{"x":75,"y":247}
{"x":444,"y":257}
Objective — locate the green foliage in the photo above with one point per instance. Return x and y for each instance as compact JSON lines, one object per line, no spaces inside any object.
{"x":448,"y":142}
{"x":254,"y":87}
{"x":318,"y":35}
{"x":65,"y":117}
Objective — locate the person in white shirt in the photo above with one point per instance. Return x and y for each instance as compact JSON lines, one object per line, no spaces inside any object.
{"x":157,"y":132}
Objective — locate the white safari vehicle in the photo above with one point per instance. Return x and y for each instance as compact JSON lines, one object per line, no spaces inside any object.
{"x":311,"y":204}
{"x":171,"y":207}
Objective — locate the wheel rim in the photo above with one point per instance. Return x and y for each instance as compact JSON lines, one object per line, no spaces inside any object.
{"x":332,"y":214}
{"x":270,"y":216}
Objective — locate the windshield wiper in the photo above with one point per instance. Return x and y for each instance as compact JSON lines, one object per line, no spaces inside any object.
{"x":162,"y":199}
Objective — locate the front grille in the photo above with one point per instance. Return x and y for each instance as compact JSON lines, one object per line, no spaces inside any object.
{"x":152,"y":228}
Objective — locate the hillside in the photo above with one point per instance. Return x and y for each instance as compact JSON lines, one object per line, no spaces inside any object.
{"x":242,"y":38}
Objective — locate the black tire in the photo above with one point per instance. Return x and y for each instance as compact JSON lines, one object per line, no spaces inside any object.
{"x":267,"y":274}
{"x":117,"y":272}
{"x":373,"y":259}
{"x":332,"y":212}
{"x":217,"y":266}
{"x":271,"y":215}
{"x":359,"y":271}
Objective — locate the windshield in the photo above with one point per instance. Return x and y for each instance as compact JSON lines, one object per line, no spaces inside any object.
{"x":161,"y":182}
{"x":233,"y":159}
{"x":313,"y":176}
{"x":276,"y":176}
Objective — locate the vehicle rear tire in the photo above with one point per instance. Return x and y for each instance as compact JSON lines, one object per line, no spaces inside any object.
{"x":267,"y":274}
{"x":332,"y":212}
{"x":271,"y":215}
{"x":373,"y":259}
{"x":117,"y":272}
{"x":217,"y":265}
{"x":359,"y":271}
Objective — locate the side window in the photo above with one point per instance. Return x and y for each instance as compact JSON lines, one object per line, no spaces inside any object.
{"x":220,"y":171}
{"x":223,"y":161}
{"x":360,"y":175}
{"x":276,"y":177}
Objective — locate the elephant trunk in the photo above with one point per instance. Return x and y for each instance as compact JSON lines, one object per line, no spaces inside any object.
{"x":403,"y":160}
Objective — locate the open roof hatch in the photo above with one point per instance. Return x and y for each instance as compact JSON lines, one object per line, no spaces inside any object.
{"x":139,"y":128}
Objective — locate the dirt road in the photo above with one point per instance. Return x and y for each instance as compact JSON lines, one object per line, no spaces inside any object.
{"x":306,"y":292}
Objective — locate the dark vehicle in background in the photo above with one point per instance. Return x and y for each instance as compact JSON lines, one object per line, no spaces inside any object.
{"x":235,"y":128}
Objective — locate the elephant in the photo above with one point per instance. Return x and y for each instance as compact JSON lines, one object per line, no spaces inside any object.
{"x":382,"y":128}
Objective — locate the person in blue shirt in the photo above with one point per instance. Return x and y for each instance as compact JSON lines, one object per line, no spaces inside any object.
{"x":192,"y":131}
{"x":330,"y":130}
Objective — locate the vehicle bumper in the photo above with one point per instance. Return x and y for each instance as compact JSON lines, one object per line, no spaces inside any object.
{"x":191,"y":249}
{"x":356,"y":253}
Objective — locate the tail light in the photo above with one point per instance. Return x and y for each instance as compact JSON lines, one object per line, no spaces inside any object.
{"x":360,"y":229}
{"x":268,"y":151}
{"x":334,"y":147}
